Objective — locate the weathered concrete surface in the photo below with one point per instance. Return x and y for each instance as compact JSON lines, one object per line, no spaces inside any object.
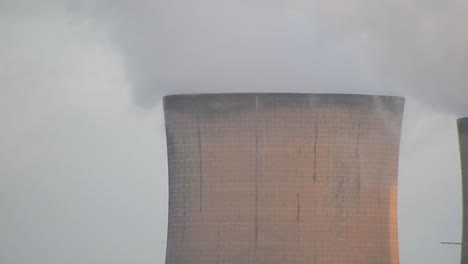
{"x":463,"y":139}
{"x":282,"y":178}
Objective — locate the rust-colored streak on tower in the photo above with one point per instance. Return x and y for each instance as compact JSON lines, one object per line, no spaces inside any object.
{"x":282,"y":178}
{"x":463,"y":140}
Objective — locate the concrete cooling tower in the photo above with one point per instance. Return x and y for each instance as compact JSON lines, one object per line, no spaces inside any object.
{"x":282,"y":178}
{"x":463,"y":139}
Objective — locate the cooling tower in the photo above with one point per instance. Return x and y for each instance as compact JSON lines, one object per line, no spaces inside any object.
{"x":282,"y":178}
{"x":463,"y":140}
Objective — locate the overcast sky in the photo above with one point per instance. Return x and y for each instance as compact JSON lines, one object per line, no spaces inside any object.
{"x":83,"y":174}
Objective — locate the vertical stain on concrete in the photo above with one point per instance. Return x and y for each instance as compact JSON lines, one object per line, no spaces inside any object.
{"x":339,"y":206}
{"x":256,"y":172}
{"x":358,"y":156}
{"x":184,"y":189}
{"x":200,"y":163}
{"x":315,"y":152}
{"x":298,"y":218}
{"x":217,"y":246}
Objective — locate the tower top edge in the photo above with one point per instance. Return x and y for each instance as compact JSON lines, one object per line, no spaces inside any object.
{"x":281,"y":95}
{"x":242,"y":101}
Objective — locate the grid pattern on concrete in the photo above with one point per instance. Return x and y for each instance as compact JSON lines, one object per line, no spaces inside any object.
{"x":282,"y":178}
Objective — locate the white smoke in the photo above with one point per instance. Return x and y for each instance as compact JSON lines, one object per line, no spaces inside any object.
{"x":415,"y":48}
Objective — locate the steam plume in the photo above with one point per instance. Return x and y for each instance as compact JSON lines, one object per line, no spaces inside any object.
{"x":415,"y":48}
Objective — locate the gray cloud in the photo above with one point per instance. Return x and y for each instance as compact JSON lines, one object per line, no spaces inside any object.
{"x":415,"y":48}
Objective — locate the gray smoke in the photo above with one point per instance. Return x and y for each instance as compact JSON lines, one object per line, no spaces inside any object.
{"x":415,"y":48}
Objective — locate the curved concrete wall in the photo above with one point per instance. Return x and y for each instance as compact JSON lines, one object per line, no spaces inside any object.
{"x":463,"y":141}
{"x":282,"y":178}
